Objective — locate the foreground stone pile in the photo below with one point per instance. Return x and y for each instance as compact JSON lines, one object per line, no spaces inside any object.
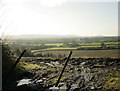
{"x":80,"y":74}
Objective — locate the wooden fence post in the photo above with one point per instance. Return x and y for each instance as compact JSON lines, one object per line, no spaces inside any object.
{"x":63,"y":69}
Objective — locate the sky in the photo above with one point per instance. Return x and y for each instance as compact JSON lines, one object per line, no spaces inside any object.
{"x":59,"y":17}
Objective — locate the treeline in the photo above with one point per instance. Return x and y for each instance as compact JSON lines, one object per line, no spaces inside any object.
{"x":48,"y":40}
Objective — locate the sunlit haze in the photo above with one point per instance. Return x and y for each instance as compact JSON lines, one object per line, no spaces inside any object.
{"x":59,"y":17}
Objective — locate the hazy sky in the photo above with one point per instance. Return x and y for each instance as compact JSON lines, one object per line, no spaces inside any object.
{"x":60,"y":17}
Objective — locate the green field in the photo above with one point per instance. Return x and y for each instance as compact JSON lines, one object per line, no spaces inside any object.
{"x":86,"y":44}
{"x":55,"y":48}
{"x":55,"y":44}
{"x":82,"y":47}
{"x":89,"y":44}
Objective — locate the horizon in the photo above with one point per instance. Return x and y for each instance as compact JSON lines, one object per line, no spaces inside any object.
{"x":63,"y":35}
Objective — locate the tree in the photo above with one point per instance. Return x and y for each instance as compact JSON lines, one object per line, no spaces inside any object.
{"x":103,"y":46}
{"x":66,"y":44}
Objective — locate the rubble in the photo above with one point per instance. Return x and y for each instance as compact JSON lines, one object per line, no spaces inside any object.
{"x":80,"y":74}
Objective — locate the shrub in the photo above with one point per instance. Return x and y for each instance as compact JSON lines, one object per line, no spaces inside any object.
{"x":8,"y":60}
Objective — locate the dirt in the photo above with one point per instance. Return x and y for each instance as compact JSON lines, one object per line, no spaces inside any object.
{"x":85,"y":53}
{"x":81,"y":74}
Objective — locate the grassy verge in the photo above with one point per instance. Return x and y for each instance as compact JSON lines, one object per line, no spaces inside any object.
{"x":28,"y":66}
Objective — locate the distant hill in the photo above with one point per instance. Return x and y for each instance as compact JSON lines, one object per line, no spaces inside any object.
{"x":62,"y":38}
{"x":35,"y":36}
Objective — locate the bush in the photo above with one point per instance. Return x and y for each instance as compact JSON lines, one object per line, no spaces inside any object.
{"x":8,"y":60}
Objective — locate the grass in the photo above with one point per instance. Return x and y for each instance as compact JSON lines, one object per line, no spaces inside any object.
{"x":113,"y":82}
{"x":98,"y":44}
{"x":35,"y":45}
{"x":112,"y":42}
{"x":55,"y":48}
{"x":55,"y":44}
{"x":90,"y":46}
{"x":81,"y":44}
{"x":28,"y":66}
{"x":54,"y":80}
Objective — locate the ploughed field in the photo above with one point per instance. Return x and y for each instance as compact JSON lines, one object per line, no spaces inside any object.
{"x":80,"y":74}
{"x":114,"y":53}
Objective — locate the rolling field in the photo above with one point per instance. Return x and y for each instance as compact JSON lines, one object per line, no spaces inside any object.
{"x":72,"y":46}
{"x":87,"y":53}
{"x":55,"y":48}
{"x":55,"y":44}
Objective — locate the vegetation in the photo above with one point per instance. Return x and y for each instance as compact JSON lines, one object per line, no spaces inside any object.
{"x":61,"y":43}
{"x":55,"y":48}
{"x":41,"y":49}
{"x":113,"y":81}
{"x":28,"y":66}
{"x":8,"y":59}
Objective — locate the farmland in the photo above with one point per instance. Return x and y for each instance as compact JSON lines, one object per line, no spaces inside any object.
{"x":94,"y":63}
{"x":49,"y":46}
{"x":85,"y":53}
{"x":52,"y":46}
{"x":61,"y":46}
